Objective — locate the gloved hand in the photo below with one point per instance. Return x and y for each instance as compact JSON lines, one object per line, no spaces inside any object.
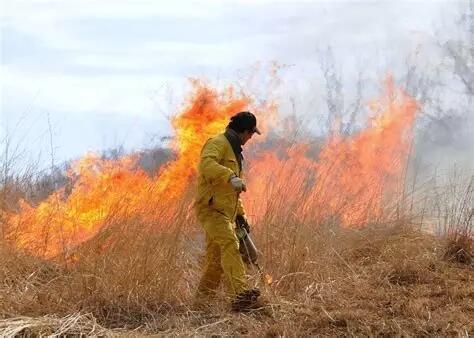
{"x":238,"y":184}
{"x":242,"y":222}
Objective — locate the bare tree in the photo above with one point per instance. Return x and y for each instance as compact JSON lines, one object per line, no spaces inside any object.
{"x":341,"y":115}
{"x":461,"y":49}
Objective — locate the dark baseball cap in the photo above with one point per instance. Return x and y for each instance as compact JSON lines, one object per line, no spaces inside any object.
{"x":246,"y":121}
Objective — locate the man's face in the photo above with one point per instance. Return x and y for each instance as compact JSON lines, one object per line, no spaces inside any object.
{"x":245,"y":136}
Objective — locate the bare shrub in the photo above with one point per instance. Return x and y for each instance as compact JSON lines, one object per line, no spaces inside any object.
{"x":458,"y":223}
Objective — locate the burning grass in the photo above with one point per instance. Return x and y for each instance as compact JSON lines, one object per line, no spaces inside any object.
{"x":352,"y":180}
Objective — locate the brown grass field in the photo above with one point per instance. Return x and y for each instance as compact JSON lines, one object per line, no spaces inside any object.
{"x":384,"y":280}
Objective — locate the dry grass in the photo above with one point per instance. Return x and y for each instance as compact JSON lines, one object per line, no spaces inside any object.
{"x":459,"y":219}
{"x":74,"y":324}
{"x":385,"y":280}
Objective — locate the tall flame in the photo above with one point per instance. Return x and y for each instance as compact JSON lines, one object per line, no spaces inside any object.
{"x":348,"y":180}
{"x":207,"y":115}
{"x":351,"y":177}
{"x":109,"y":191}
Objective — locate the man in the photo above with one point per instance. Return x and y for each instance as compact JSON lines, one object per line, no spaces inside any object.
{"x":218,"y":205}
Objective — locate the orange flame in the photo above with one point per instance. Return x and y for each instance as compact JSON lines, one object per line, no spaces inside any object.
{"x":108,"y":191}
{"x":207,"y":115}
{"x":348,"y":180}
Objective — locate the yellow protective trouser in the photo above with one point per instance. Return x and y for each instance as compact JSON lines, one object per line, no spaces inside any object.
{"x":222,"y":255}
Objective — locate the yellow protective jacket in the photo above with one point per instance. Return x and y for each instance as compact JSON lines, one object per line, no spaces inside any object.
{"x":218,"y":163}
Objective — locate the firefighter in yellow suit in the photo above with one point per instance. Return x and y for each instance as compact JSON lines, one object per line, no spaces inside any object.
{"x":220,"y":183}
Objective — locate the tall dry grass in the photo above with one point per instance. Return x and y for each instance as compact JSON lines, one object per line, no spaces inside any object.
{"x":388,"y":278}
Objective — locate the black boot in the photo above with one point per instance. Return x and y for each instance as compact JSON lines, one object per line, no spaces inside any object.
{"x":246,"y":301}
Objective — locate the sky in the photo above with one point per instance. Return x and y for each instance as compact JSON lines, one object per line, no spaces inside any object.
{"x":82,"y":75}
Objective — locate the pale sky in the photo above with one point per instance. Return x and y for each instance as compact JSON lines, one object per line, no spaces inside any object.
{"x":107,"y":73}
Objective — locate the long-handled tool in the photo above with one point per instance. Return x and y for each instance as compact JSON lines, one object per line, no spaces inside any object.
{"x":247,"y":248}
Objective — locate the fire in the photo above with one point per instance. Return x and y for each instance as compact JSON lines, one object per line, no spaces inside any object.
{"x":358,"y":171}
{"x":268,"y":279}
{"x":207,"y":114}
{"x":108,"y":192}
{"x":347,"y":182}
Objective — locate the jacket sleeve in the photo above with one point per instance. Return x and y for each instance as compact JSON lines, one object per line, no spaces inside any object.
{"x":240,"y":206}
{"x":209,"y":167}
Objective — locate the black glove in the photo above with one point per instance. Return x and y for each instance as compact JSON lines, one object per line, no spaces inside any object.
{"x":242,"y":223}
